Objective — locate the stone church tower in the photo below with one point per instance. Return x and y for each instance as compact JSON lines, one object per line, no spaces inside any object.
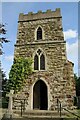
{"x":40,"y":37}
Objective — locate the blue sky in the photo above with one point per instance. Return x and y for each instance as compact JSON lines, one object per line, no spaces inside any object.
{"x":69,"y":12}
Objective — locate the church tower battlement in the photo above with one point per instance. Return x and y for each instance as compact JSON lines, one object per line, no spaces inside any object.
{"x":40,"y":15}
{"x":40,"y":37}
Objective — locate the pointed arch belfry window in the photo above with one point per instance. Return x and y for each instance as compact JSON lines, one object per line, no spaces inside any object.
{"x":39,"y":33}
{"x":39,"y":60}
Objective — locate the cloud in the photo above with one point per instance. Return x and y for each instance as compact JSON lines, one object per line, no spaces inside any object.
{"x":72,"y":50}
{"x":70,"y":34}
{"x":9,"y":58}
{"x":72,"y":53}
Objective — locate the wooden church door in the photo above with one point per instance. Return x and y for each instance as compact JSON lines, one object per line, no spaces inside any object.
{"x":40,"y":99}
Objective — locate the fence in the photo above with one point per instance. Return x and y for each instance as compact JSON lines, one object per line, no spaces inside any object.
{"x":60,"y":108}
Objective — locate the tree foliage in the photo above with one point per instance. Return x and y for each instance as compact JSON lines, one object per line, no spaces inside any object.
{"x":3,"y":82}
{"x":19,"y":72}
{"x":77,"y":79}
{"x":2,"y":39}
{"x":3,"y":79}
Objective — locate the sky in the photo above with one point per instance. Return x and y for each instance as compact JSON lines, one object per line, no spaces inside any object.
{"x":10,"y":13}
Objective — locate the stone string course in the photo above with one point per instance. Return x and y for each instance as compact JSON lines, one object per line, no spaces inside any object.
{"x":59,"y":74}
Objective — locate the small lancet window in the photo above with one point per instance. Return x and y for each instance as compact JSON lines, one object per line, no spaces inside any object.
{"x":39,"y":33}
{"x":36,"y":65}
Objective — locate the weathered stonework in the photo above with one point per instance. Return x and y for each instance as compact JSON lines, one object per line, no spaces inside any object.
{"x":58,"y":74}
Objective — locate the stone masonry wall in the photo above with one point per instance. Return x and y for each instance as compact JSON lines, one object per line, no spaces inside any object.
{"x":58,"y":74}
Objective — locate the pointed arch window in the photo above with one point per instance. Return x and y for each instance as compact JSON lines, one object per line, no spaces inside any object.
{"x":36,"y":62}
{"x":39,"y":61}
{"x":39,"y":33}
{"x":42,"y":62}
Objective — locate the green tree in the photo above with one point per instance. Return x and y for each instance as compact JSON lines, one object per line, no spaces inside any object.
{"x":3,"y":79}
{"x":19,"y":72}
{"x":77,"y":79}
{"x":4,"y":82}
{"x":2,"y":39}
{"x":78,"y":87}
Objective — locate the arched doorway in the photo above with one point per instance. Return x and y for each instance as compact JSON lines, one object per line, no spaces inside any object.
{"x":40,"y":96}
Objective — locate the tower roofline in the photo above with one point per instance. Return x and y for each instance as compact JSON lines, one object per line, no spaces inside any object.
{"x":40,"y":15}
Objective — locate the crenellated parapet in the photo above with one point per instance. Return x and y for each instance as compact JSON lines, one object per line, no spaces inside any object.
{"x":40,"y":15}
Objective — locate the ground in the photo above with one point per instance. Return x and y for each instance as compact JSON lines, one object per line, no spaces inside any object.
{"x":2,"y":111}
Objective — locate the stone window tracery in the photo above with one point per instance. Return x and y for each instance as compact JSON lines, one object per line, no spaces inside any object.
{"x":39,"y":60}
